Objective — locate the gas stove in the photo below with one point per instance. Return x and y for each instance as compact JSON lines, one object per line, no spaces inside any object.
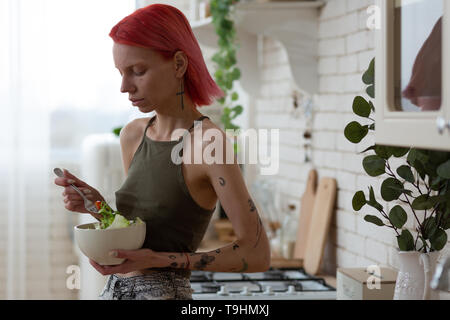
{"x":275,"y":284}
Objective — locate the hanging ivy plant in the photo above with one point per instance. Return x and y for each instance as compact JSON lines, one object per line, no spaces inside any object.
{"x":227,"y":71}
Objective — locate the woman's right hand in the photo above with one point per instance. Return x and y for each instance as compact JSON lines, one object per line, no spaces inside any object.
{"x":72,"y":200}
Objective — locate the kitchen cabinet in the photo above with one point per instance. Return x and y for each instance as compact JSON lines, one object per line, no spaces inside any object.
{"x":412,"y":98}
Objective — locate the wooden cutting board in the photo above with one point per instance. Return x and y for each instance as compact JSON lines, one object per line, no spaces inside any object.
{"x":324,"y":207}
{"x":306,"y":211}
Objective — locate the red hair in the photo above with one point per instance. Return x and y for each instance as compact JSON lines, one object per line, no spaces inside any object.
{"x":166,"y":30}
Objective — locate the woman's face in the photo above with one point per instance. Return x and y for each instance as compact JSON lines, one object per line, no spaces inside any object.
{"x":146,"y":76}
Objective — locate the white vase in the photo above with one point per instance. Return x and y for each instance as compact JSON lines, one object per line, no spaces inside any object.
{"x":414,"y":276}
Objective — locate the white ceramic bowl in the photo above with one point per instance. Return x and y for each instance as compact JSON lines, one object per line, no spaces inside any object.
{"x":97,"y":243}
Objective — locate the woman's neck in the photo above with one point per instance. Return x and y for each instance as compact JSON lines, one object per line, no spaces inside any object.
{"x":169,"y":119}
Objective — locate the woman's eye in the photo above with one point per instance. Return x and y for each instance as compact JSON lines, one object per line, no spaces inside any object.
{"x":139,"y":73}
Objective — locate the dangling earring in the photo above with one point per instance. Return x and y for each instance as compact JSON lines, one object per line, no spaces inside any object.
{"x":181,"y":93}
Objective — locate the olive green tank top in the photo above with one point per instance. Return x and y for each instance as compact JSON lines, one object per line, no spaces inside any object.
{"x":156,"y":192}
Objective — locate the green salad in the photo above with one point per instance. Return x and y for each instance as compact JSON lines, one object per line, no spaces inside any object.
{"x":112,"y":219}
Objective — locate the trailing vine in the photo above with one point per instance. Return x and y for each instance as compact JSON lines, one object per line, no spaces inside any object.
{"x":225,"y":58}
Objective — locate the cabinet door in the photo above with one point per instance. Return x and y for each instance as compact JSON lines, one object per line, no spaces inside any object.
{"x":412,"y":87}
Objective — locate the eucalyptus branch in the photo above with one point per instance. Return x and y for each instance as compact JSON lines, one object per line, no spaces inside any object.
{"x":417,"y":187}
{"x":419,"y":163}
{"x":414,"y":212}
{"x":417,"y":238}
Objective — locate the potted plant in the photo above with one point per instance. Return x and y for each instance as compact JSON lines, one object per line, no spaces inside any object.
{"x":422,"y":185}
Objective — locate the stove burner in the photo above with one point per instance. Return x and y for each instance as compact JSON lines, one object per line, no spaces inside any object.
{"x":297,"y":285}
{"x":198,"y":276}
{"x":274,"y":274}
{"x":210,"y":287}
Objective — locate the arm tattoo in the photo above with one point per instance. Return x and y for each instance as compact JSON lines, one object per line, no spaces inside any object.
{"x":235,"y":246}
{"x":244,"y":266}
{"x":258,"y":231}
{"x":222,"y":181}
{"x":173,"y":264}
{"x":218,"y":251}
{"x":252,"y":205}
{"x":172,"y":257}
{"x":259,"y":223}
{"x":204,"y":261}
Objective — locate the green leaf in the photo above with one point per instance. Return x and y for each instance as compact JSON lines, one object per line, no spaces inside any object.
{"x":117,"y":131}
{"x":444,"y":170}
{"x":446,"y":224}
{"x":402,"y":190}
{"x":416,"y":154}
{"x":399,"y":152}
{"x":236,"y":111}
{"x":438,"y":240}
{"x":405,"y":241}
{"x":422,"y":203}
{"x":369,"y":76}
{"x":406,"y":173}
{"x":234,"y":96}
{"x":384,"y":152}
{"x":398,"y":217}
{"x":375,"y":220}
{"x":372,"y":106}
{"x":368,"y":149}
{"x":359,"y":201}
{"x":436,"y":183}
{"x":361,"y":107}
{"x":355,"y":132}
{"x":236,"y":74}
{"x":430,"y":227}
{"x":420,"y":169}
{"x":374,"y":166}
{"x":371,"y":91}
{"x":390,"y":189}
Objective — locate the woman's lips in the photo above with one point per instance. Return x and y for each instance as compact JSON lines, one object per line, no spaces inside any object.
{"x":137,"y":102}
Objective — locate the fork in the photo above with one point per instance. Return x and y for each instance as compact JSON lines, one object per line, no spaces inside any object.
{"x":88,"y":204}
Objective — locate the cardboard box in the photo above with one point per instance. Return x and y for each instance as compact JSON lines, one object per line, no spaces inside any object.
{"x":371,"y":283}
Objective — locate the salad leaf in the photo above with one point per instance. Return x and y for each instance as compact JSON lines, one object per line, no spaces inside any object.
{"x":113,"y":219}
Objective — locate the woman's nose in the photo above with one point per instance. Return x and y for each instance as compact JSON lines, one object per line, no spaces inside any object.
{"x":127,"y":86}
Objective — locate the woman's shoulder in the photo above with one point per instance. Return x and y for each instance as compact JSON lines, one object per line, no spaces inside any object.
{"x":134,"y":130}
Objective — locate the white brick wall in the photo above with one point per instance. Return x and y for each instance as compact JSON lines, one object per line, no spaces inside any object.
{"x":346,"y":47}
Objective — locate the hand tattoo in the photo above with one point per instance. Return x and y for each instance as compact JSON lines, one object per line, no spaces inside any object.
{"x":222,"y":181}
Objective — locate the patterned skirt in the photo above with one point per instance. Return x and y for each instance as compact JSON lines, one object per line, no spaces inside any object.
{"x":164,"y":285}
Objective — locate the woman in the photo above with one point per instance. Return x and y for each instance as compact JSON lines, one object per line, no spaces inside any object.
{"x":163,"y":70}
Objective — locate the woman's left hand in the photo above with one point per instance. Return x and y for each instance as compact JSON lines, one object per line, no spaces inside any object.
{"x":135,"y":260}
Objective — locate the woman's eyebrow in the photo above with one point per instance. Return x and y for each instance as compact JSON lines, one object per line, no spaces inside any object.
{"x":131,"y":66}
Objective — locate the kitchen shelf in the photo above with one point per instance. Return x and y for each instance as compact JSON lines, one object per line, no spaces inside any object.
{"x":294,"y":24}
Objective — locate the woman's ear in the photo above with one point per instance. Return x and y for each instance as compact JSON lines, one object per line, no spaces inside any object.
{"x":181,"y":63}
